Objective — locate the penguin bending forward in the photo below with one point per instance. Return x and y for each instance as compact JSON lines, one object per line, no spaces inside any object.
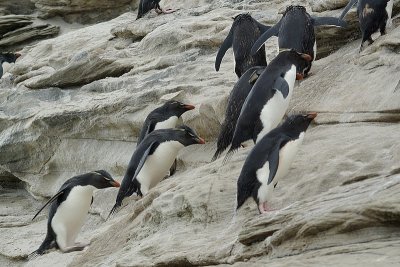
{"x":235,"y":102}
{"x":269,"y":98}
{"x":372,"y":15}
{"x":164,"y":117}
{"x":295,"y":31}
{"x":7,"y":57}
{"x":146,"y":5}
{"x":270,"y":160}
{"x":152,"y":159}
{"x":243,"y":34}
{"x":68,"y":211}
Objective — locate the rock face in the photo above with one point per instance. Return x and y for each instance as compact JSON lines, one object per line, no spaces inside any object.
{"x":17,"y":29}
{"x":76,"y":103}
{"x":83,"y":11}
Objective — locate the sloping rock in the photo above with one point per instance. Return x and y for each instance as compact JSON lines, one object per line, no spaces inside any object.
{"x":338,"y":203}
{"x":13,"y":22}
{"x":83,"y":11}
{"x":30,"y":33}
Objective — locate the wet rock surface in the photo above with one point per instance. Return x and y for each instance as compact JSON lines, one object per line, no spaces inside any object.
{"x":76,"y":103}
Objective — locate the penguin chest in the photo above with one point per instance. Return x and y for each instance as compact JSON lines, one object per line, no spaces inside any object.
{"x":167,"y":124}
{"x":158,"y":164}
{"x":71,"y":214}
{"x":286,"y":156}
{"x":275,"y":108}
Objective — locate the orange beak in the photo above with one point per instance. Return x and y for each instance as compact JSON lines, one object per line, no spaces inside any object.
{"x":201,"y":141}
{"x":115,"y":184}
{"x":306,"y":57}
{"x":189,"y":107}
{"x":299,"y":76}
{"x":312,"y":115}
{"x":17,"y":55}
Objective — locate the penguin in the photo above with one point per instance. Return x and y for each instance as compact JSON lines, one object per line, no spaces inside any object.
{"x":373,"y":16}
{"x":244,"y":32}
{"x":68,"y":211}
{"x":152,"y":159}
{"x":269,"y":98}
{"x":235,"y":102}
{"x":295,"y":31}
{"x":270,"y":160}
{"x":164,"y":117}
{"x":7,"y":57}
{"x":146,"y":5}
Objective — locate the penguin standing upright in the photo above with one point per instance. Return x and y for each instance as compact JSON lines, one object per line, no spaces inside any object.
{"x":7,"y":57}
{"x":68,"y":210}
{"x":295,"y":31}
{"x":235,"y":102}
{"x":269,"y":98}
{"x":270,"y":160}
{"x":152,"y":159}
{"x":164,"y":117}
{"x":146,"y":5}
{"x":372,"y":15}
{"x":244,"y":32}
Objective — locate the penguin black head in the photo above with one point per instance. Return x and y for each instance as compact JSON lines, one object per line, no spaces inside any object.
{"x":101,"y":179}
{"x":188,"y":136}
{"x":298,"y":123}
{"x":300,"y":60}
{"x":177,"y":108}
{"x":9,"y":57}
{"x":294,"y":8}
{"x":242,"y":17}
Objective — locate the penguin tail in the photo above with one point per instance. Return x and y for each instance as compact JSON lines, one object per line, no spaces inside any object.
{"x":224,"y":139}
{"x":229,"y":155}
{"x":46,"y":245}
{"x":114,"y":209}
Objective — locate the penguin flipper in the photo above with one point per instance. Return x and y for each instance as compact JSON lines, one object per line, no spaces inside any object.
{"x":347,"y":8}
{"x":273,"y":31}
{"x":222,"y":50}
{"x":151,"y":147}
{"x":282,"y":86}
{"x":263,"y":28}
{"x":320,"y":21}
{"x":48,"y":202}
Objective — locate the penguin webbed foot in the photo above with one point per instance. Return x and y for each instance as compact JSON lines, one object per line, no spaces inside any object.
{"x":160,"y":11}
{"x":263,"y":208}
{"x":76,"y":247}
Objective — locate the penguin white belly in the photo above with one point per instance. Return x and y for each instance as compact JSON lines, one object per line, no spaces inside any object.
{"x":274,"y":110}
{"x":167,"y":124}
{"x":71,"y":214}
{"x":157,"y":165}
{"x":315,"y":50}
{"x":389,"y":9}
{"x":286,"y":157}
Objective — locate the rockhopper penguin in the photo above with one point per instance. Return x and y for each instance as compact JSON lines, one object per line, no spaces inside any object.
{"x":269,"y":98}
{"x":270,"y":160}
{"x":373,"y":15}
{"x":295,"y":31}
{"x":69,"y":209}
{"x":243,"y":34}
{"x":152,"y":159}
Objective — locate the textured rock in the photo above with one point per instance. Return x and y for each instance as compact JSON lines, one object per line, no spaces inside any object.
{"x":83,"y":11}
{"x":338,"y":203}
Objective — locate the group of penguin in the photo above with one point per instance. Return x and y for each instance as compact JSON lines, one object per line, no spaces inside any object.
{"x":256,"y":106}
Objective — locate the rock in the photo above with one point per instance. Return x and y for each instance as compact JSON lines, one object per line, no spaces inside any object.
{"x":13,"y":22}
{"x":28,"y":33}
{"x":337,"y":204}
{"x":83,"y":11}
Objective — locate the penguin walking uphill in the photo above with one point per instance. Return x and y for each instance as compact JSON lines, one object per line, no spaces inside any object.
{"x":146,"y":5}
{"x":68,"y":211}
{"x":235,"y":102}
{"x":372,"y":15}
{"x":270,"y":160}
{"x":164,"y":117}
{"x":269,"y":99}
{"x":152,"y":159}
{"x":295,"y":31}
{"x":7,"y":57}
{"x":244,"y":32}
